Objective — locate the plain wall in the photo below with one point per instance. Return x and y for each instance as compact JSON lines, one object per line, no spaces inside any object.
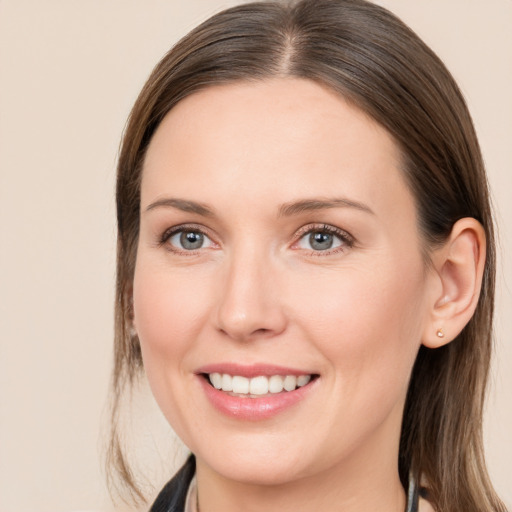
{"x":69,"y":73}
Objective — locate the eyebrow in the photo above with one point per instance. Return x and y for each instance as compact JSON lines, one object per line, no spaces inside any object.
{"x":285,"y":210}
{"x":183,"y":205}
{"x":305,"y":205}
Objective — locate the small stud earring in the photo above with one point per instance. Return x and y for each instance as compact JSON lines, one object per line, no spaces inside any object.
{"x":440,"y":333}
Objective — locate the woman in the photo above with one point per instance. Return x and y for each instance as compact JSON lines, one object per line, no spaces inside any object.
{"x":306,"y":265}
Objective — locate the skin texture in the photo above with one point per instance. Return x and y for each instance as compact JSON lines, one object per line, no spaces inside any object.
{"x":257,"y":292}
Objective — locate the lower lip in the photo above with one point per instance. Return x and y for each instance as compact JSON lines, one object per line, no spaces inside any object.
{"x":254,"y":409}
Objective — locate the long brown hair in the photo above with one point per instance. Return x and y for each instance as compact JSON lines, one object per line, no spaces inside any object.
{"x":377,"y":63}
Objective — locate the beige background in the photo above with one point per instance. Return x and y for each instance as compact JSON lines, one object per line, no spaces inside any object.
{"x":69,"y":72}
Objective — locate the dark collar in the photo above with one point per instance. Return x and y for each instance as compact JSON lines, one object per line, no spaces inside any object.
{"x":172,"y":497}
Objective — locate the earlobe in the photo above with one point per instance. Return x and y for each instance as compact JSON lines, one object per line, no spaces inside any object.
{"x":458,"y":267}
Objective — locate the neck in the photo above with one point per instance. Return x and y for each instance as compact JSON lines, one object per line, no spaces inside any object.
{"x":350,"y":487}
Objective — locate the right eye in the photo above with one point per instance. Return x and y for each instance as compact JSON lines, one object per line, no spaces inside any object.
{"x":187,"y":239}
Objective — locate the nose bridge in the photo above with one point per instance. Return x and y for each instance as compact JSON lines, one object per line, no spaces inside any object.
{"x":249,"y":305}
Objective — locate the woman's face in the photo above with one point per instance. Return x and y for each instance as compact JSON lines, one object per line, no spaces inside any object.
{"x":278,"y":247}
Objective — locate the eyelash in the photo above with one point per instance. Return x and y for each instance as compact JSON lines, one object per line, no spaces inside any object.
{"x":347,"y":240}
{"x":192,"y":228}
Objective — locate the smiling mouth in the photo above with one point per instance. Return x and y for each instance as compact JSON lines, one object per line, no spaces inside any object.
{"x":257,"y":387}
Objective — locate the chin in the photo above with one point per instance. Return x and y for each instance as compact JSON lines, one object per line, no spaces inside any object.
{"x":257,"y":472}
{"x":257,"y":463}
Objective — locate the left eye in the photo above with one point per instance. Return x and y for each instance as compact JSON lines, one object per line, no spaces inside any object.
{"x":189,"y":240}
{"x":320,"y":240}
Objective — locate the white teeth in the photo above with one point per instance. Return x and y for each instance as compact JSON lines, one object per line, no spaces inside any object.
{"x":216,"y":380}
{"x":227,"y":384}
{"x":240,"y":384}
{"x":275,"y":384}
{"x":302,"y":380}
{"x":290,"y":382}
{"x":257,"y":386}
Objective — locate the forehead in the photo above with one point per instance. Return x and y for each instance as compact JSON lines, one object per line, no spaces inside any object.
{"x":275,"y":138}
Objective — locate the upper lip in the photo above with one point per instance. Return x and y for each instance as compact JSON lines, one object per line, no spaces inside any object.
{"x":252,"y":370}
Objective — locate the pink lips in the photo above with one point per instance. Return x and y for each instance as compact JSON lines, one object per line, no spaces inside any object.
{"x":252,"y":409}
{"x":254,"y":370}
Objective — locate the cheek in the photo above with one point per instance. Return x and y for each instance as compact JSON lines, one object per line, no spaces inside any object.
{"x":166,"y":317}
{"x":366,"y":322}
{"x":167,"y":321}
{"x":367,"y":327}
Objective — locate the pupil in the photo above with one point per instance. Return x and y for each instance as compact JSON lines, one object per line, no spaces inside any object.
{"x":321,"y":241}
{"x":191,"y":240}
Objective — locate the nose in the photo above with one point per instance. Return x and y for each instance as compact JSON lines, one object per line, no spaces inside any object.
{"x":250,"y":304}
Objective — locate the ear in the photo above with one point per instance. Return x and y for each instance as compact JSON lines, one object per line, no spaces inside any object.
{"x":456,"y":280}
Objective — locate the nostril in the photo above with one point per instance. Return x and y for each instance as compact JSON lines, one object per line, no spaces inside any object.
{"x":262,"y":331}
